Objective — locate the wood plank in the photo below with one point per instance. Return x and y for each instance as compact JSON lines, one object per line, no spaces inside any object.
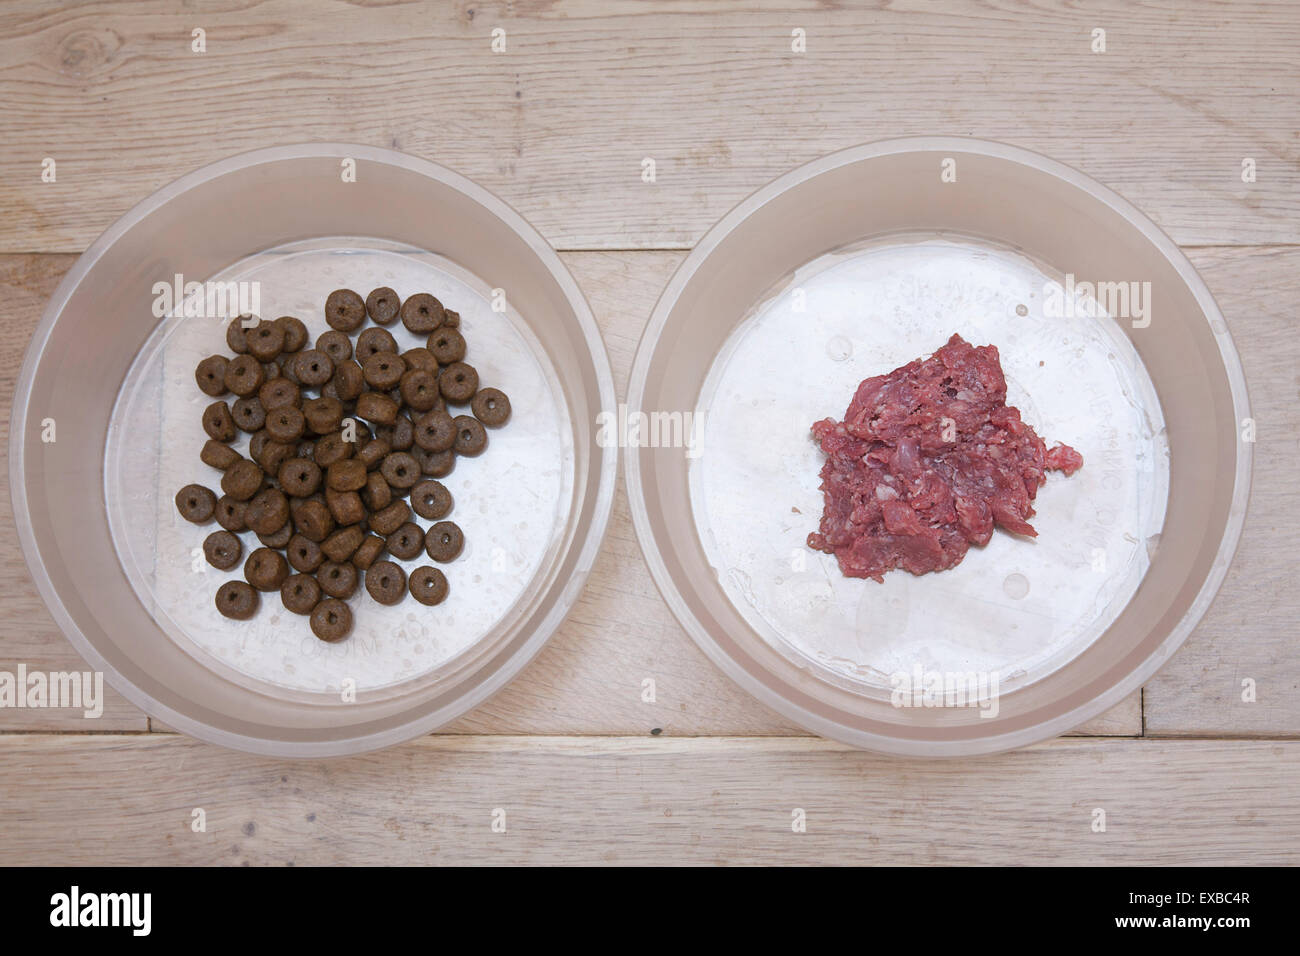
{"x":647,"y":801}
{"x":1250,"y":632}
{"x":587,"y":680}
{"x":560,"y":122}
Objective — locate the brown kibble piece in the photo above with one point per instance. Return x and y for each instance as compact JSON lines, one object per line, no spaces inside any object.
{"x":422,"y":313}
{"x":196,"y":503}
{"x":431,"y":499}
{"x":346,"y":475}
{"x":377,"y":407}
{"x":383,"y":370}
{"x":210,"y":374}
{"x":386,"y":582}
{"x":304,"y":554}
{"x":406,"y":542}
{"x":491,"y":407}
{"x":376,"y":495}
{"x":268,"y":512}
{"x":272,"y":455}
{"x":248,"y":414}
{"x":342,"y":543}
{"x":313,"y":520}
{"x":230,"y":513}
{"x":400,"y":435}
{"x":313,"y":367}
{"x":323,"y":415}
{"x":331,"y":620}
{"x":285,"y":424}
{"x":345,"y":506}
{"x":337,"y":345}
{"x":435,"y":464}
{"x":299,"y":477}
{"x":265,"y":340}
{"x":295,"y":332}
{"x":435,"y":430}
{"x":422,"y":359}
{"x":349,"y":381}
{"x":237,"y":601}
{"x":279,"y":391}
{"x":373,"y":454}
{"x":471,"y":437}
{"x":279,"y":539}
{"x":242,"y":480}
{"x":331,"y":448}
{"x":373,"y":341}
{"x":235,"y":335}
{"x":338,"y":580}
{"x":218,"y":423}
{"x":428,"y":585}
{"x":382,"y":305}
{"x":222,"y":550}
{"x":345,"y":310}
{"x":300,"y":593}
{"x":444,"y":541}
{"x":218,"y":454}
{"x":266,"y":569}
{"x":244,"y":375}
{"x":458,"y":383}
{"x":420,"y":390}
{"x":447,"y":346}
{"x":400,"y":470}
{"x":369,"y":552}
{"x":387,"y":520}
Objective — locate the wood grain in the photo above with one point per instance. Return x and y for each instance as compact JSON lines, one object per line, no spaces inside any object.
{"x":102,"y":799}
{"x":559,"y":123}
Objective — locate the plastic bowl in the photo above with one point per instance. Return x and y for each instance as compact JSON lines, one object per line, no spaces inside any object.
{"x":849,"y":267}
{"x":116,"y":565}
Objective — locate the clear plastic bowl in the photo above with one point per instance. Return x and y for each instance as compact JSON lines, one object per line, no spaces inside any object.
{"x":849,"y":267}
{"x":116,"y":564}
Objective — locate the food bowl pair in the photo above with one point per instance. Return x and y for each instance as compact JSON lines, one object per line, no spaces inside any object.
{"x":844,"y":268}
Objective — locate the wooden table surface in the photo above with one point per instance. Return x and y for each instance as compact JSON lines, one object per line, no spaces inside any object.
{"x":558,"y":125}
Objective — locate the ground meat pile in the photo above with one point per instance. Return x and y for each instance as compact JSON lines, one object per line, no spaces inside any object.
{"x":926,"y":461}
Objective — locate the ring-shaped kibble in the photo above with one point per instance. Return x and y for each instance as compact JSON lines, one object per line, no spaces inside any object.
{"x":236,"y":339}
{"x":270,"y":372}
{"x":242,"y":480}
{"x":295,"y":332}
{"x":444,"y":541}
{"x":313,"y":367}
{"x":451,"y":319}
{"x":218,"y":422}
{"x":331,"y":448}
{"x":368,"y":553}
{"x":345,"y":310}
{"x":400,"y":469}
{"x":458,"y":382}
{"x":422,"y":359}
{"x":313,"y":520}
{"x":285,"y":424}
{"x":435,"y":464}
{"x":435,"y":430}
{"x":338,"y":580}
{"x":447,"y":346}
{"x":230,"y":513}
{"x":373,"y":341}
{"x":345,"y":506}
{"x":377,"y":494}
{"x":196,"y":503}
{"x":210,"y":374}
{"x":421,"y":313}
{"x":248,"y":413}
{"x":342,"y":543}
{"x":299,"y":477}
{"x":257,"y":443}
{"x":431,"y":499}
{"x":346,"y":475}
{"x":382,"y":305}
{"x":428,"y":585}
{"x":218,"y":454}
{"x":406,"y":542}
{"x":266,"y":569}
{"x":265,"y":340}
{"x":419,"y":390}
{"x":471,"y":436}
{"x":237,"y":600}
{"x":323,"y":415}
{"x":491,"y":407}
{"x":337,"y":345}
{"x":277,"y":392}
{"x":331,"y":620}
{"x":274,"y":454}
{"x":348,"y":381}
{"x":304,"y":554}
{"x":383,"y":370}
{"x":376,"y":407}
{"x":222,"y":550}
{"x":244,"y":375}
{"x":387,"y":520}
{"x":279,"y":539}
{"x":268,"y":512}
{"x":400,"y":435}
{"x":373,"y":453}
{"x":300,"y":593}
{"x":386,"y":582}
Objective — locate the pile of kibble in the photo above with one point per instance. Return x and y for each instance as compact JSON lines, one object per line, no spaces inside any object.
{"x":341,"y":436}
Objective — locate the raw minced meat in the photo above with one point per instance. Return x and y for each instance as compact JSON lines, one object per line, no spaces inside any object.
{"x":928,"y":459}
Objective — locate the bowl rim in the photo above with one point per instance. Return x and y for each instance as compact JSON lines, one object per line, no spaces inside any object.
{"x":567,"y":594}
{"x":885,"y":743}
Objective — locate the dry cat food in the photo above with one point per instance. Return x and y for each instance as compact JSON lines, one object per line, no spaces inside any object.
{"x":928,"y":459}
{"x":341,"y":432}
